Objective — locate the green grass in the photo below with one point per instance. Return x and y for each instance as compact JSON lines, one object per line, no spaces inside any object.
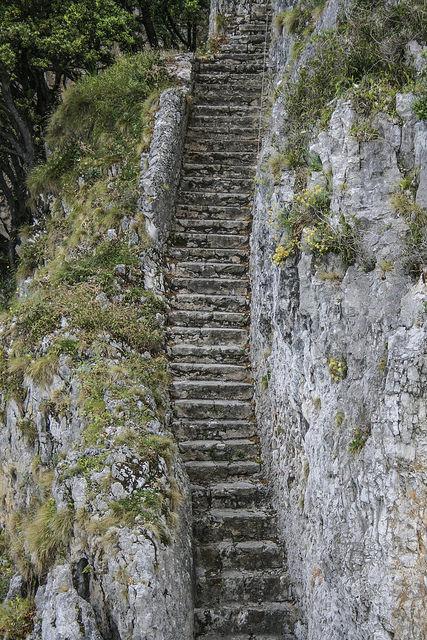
{"x":47,"y":534}
{"x":364,"y":59}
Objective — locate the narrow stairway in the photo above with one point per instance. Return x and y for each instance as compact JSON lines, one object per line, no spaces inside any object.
{"x":241,"y":586}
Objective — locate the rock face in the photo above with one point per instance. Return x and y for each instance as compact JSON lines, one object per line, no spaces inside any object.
{"x":100,"y":521}
{"x":339,"y":354}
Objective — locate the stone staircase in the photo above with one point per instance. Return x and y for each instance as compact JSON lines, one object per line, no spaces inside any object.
{"x":241,"y":584}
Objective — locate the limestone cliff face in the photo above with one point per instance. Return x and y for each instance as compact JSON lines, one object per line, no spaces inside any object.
{"x":95,"y":502}
{"x":339,"y":354}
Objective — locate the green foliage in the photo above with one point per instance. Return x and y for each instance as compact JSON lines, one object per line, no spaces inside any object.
{"x":145,"y":506}
{"x":69,"y":34}
{"x":307,"y":225}
{"x":360,"y":437}
{"x":28,"y":430}
{"x":16,"y":618}
{"x":47,"y":534}
{"x":103,"y":120}
{"x":6,"y":566}
{"x":415,"y":217}
{"x":364,"y":58}
{"x":337,"y":368}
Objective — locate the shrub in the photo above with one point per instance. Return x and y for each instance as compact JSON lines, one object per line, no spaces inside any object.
{"x":16,"y":618}
{"x":337,"y":368}
{"x":360,"y":437}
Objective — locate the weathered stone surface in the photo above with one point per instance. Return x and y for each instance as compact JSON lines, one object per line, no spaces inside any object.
{"x":353,"y":523}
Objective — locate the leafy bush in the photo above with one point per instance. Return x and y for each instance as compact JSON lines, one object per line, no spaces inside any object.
{"x":16,"y":618}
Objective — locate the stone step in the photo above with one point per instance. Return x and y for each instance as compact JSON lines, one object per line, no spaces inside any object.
{"x":223,"y":133}
{"x":210,"y":240}
{"x":204,"y":212}
{"x":206,"y":472}
{"x":223,"y":450}
{"x":229,"y":56}
{"x":233,"y":66}
{"x":212,"y":225}
{"x":255,"y":554}
{"x":213,"y":409}
{"x":238,"y":78}
{"x":277,"y":618}
{"x":207,"y":336}
{"x":245,"y":636}
{"x":233,"y":524}
{"x":220,"y":143}
{"x":218,"y":183}
{"x":214,"y":198}
{"x":192,"y":301}
{"x":226,"y":159}
{"x":213,"y":429}
{"x":212,"y":389}
{"x":208,"y":318}
{"x":229,"y":495}
{"x":231,"y":586}
{"x":209,"y":286}
{"x":207,"y":254}
{"x":217,"y":94}
{"x":215,"y":270}
{"x":192,"y":170}
{"x":232,"y":110}
{"x":224,"y":353}
{"x":210,"y":371}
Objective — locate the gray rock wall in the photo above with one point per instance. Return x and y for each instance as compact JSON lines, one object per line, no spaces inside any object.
{"x":124,"y":574}
{"x":347,"y":459}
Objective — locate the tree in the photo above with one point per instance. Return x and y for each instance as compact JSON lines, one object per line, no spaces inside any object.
{"x":44,"y":44}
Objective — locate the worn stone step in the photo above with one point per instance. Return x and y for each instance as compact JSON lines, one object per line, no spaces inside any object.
{"x":253,"y":66}
{"x":206,"y":472}
{"x":223,"y":133}
{"x":207,"y":198}
{"x":217,"y":212}
{"x":253,"y":554}
{"x":210,"y":371}
{"x":224,"y":160}
{"x":224,"y":110}
{"x":221,"y":142}
{"x":193,"y":301}
{"x":265,"y":585}
{"x":213,"y":429}
{"x":207,"y":254}
{"x":223,"y":353}
{"x":208,"y":318}
{"x":212,"y":225}
{"x":204,"y":169}
{"x":223,"y":450}
{"x":245,"y":636}
{"x":217,"y":94}
{"x":217,"y":270}
{"x":210,"y":240}
{"x":212,"y":389}
{"x":213,"y":409}
{"x":207,"y":336}
{"x":229,"y":495}
{"x":218,"y":183}
{"x":251,"y":618}
{"x":233,"y":524}
{"x":227,"y":286}
{"x":238,"y":78}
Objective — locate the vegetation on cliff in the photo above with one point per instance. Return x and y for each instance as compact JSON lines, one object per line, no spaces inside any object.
{"x":86,"y":334}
